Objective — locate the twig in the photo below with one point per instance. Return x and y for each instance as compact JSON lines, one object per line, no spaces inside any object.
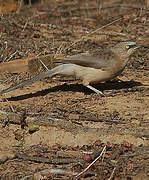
{"x":42,"y":62}
{"x":20,"y":3}
{"x":56,"y":160}
{"x":11,"y":55}
{"x":54,"y":171}
{"x":9,"y":105}
{"x":94,"y":32}
{"x":3,"y":112}
{"x":103,"y":156}
{"x":57,"y":171}
{"x":112,"y":174}
{"x":59,"y":50}
{"x":112,"y":33}
{"x":27,"y":22}
{"x":44,"y":65}
{"x":91,"y":163}
{"x":108,"y":7}
{"x":104,"y":26}
{"x":26,"y":177}
{"x":4,"y":51}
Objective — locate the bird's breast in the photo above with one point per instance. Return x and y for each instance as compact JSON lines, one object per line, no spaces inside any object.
{"x":119,"y":66}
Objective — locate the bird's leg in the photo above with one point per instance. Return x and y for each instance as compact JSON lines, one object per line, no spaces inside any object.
{"x":95,"y":90}
{"x":116,"y":80}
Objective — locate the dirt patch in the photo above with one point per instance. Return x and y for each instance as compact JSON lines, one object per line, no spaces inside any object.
{"x":54,"y":128}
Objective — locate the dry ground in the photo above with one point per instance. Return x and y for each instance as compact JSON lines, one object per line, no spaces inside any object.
{"x":69,"y":120}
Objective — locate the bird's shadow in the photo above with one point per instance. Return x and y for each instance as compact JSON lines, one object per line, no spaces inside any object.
{"x":111,"y":85}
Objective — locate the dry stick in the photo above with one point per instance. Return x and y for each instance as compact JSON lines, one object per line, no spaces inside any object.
{"x":51,"y":160}
{"x":24,"y":27}
{"x":112,"y":33}
{"x":19,"y":6}
{"x":9,"y":105}
{"x":3,"y":112}
{"x":44,"y":65}
{"x":42,"y":62}
{"x":103,"y":156}
{"x":59,"y":50}
{"x":91,"y":163}
{"x":94,"y":32}
{"x":53,"y":171}
{"x":10,"y":56}
{"x":109,"y":7}
{"x":112,"y":174}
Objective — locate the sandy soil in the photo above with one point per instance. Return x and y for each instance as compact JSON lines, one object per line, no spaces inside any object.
{"x":69,"y":120}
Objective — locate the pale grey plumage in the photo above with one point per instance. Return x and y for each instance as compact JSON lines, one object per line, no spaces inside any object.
{"x":90,"y":68}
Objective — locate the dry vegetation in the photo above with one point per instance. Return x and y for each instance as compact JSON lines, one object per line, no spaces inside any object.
{"x":55,"y":128}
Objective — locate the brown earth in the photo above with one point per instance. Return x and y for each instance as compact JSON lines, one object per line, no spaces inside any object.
{"x":55,"y":124}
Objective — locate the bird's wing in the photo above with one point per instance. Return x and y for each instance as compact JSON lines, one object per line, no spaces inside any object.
{"x":100,"y":61}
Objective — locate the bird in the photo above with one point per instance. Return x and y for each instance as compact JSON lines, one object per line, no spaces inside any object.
{"x":91,"y":68}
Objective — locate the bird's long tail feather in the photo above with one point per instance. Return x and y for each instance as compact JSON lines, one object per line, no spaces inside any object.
{"x":49,"y":73}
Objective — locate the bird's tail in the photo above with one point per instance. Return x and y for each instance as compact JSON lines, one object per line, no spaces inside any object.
{"x":49,"y":73}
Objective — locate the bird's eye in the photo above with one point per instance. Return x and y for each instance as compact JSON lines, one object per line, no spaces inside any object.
{"x":127,"y":46}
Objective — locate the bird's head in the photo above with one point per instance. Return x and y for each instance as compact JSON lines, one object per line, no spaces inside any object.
{"x":126,"y":48}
